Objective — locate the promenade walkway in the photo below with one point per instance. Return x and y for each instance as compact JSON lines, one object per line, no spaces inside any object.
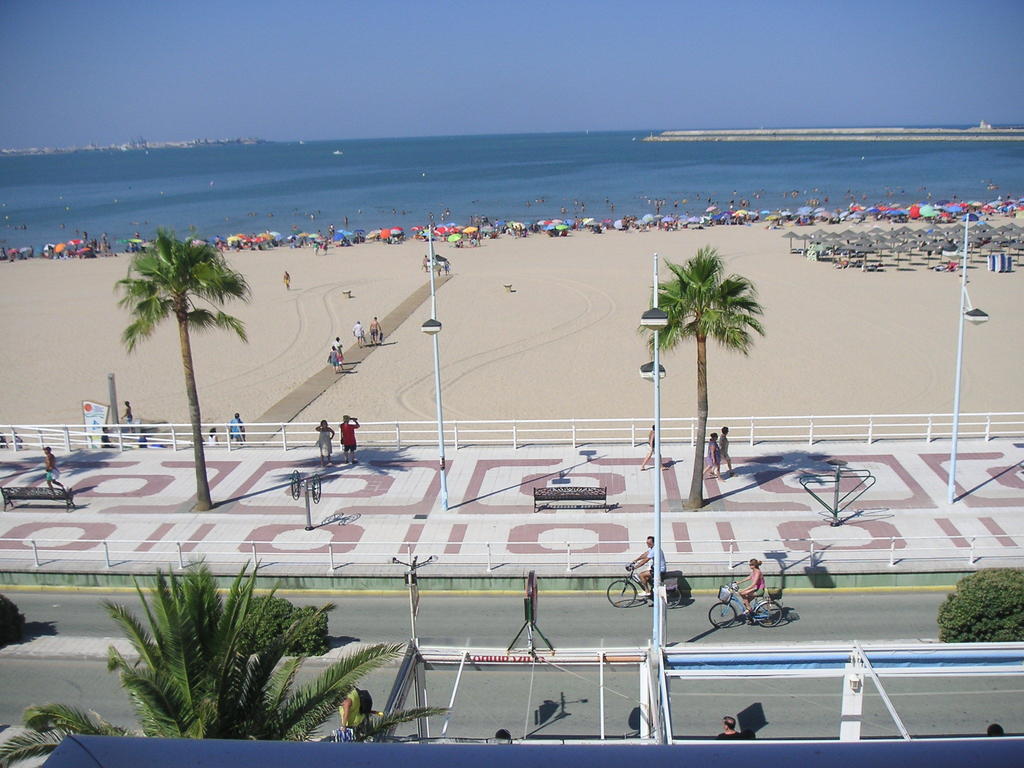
{"x":134,"y":511}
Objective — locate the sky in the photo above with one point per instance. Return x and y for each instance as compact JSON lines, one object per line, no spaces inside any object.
{"x":105,"y":71}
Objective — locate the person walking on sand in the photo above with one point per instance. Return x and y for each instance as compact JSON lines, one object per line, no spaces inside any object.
{"x":334,"y":359}
{"x":723,"y":449}
{"x":52,"y":473}
{"x":376,"y":334}
{"x":348,"y":426}
{"x":325,"y":442}
{"x":713,"y":462}
{"x":650,"y":449}
{"x":287,"y":281}
{"x":360,"y":333}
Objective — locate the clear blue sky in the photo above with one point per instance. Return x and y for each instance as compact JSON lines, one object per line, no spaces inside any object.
{"x":107,"y":70}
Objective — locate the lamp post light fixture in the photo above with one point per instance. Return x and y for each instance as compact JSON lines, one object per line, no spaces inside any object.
{"x":655,"y":319}
{"x":974,"y":316}
{"x":432,"y":328}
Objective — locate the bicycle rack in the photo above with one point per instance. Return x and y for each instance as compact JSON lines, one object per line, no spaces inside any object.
{"x":312,"y":486}
{"x":863,"y":477}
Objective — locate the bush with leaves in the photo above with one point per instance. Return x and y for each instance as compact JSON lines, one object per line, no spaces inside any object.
{"x":272,"y":616}
{"x":12,"y":623}
{"x":986,"y":607}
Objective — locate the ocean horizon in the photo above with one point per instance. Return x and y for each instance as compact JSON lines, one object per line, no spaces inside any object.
{"x":367,"y":183}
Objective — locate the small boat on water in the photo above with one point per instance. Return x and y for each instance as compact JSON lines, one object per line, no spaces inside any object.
{"x":337,"y":152}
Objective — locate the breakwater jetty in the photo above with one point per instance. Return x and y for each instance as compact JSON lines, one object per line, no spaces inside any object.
{"x":980,"y":132}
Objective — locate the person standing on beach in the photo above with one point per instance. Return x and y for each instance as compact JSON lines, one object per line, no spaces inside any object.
{"x":360,"y":333}
{"x":713,"y":462}
{"x":376,"y":334}
{"x":332,"y":359}
{"x":650,"y":449}
{"x":325,"y":442}
{"x":348,"y":426}
{"x":723,"y":449}
{"x":128,"y":413}
{"x":287,"y":281}
{"x":52,"y":473}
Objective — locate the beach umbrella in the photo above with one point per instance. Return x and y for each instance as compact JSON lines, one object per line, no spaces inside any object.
{"x":711,"y":208}
{"x":647,"y":218}
{"x":74,"y":242}
{"x":561,"y":227}
{"x":470,"y":230}
{"x":59,"y":247}
{"x":928,"y":212}
{"x":618,"y":224}
{"x":454,"y":238}
{"x":765,"y":213}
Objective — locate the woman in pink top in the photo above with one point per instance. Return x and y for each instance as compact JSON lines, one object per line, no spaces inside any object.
{"x":756,"y":588}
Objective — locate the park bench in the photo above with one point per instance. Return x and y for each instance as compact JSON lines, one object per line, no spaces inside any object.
{"x":49,"y":494}
{"x":576,"y":496}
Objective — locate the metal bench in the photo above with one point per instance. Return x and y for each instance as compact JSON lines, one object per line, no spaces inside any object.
{"x":576,"y":496}
{"x":44,"y":493}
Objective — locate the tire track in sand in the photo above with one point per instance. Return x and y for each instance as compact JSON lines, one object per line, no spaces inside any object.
{"x":421,"y":388}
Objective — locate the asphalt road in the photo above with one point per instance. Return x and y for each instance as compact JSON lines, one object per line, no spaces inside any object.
{"x":564,"y":702}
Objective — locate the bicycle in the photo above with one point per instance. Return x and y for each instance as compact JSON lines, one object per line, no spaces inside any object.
{"x":729,"y":609}
{"x":623,"y":593}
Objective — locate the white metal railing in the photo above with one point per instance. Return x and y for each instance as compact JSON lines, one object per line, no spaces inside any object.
{"x":489,"y":556}
{"x":517,"y":433}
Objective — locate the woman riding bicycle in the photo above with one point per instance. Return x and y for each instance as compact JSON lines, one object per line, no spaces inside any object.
{"x":756,"y":588}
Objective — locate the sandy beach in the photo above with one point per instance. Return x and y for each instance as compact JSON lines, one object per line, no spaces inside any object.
{"x":564,"y":343}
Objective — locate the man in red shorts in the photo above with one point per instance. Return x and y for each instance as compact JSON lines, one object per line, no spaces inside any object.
{"x":348,"y":426}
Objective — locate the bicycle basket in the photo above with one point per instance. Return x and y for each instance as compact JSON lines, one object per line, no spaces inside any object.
{"x":724,"y":594}
{"x":775,"y":594}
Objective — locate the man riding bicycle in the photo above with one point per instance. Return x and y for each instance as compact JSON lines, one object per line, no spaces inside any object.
{"x":646,"y":577}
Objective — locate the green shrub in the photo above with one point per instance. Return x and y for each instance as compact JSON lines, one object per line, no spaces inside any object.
{"x":986,"y":607}
{"x":272,"y":616}
{"x":12,"y":623}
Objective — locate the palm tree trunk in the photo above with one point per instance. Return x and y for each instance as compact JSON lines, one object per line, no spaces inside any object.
{"x":696,"y":498}
{"x":203,"y":500}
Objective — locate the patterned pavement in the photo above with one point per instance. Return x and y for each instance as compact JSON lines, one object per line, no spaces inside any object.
{"x":139,"y":504}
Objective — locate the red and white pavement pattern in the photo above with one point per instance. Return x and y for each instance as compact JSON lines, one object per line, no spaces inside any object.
{"x":141,"y":499}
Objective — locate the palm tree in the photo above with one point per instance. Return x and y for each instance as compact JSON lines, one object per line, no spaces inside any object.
{"x":193,"y":678}
{"x":703,"y":304}
{"x":166,"y":280}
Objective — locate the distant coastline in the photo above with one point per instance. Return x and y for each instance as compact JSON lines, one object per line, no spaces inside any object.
{"x":981,"y":132}
{"x":130,"y":146}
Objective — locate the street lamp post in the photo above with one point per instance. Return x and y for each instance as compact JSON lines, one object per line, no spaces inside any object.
{"x":976,"y":317}
{"x":432,"y":328}
{"x":655,"y":319}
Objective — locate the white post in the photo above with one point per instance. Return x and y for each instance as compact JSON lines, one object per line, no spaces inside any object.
{"x":106,"y":554}
{"x":437,"y":374}
{"x":35,"y":553}
{"x":181,"y":561}
{"x":489,"y":566}
{"x":568,"y":557}
{"x":330,"y":553}
{"x":892,"y":550}
{"x":174,"y":439}
{"x":951,"y":486}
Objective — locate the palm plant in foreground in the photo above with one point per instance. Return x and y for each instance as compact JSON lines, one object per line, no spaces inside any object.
{"x":193,"y":678}
{"x":703,"y":304}
{"x":166,"y":280}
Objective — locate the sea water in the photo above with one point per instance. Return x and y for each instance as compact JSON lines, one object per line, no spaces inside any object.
{"x":306,"y":186}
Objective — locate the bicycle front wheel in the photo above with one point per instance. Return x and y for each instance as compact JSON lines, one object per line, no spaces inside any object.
{"x":722,"y":615}
{"x":768,"y":615}
{"x":622,"y":593}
